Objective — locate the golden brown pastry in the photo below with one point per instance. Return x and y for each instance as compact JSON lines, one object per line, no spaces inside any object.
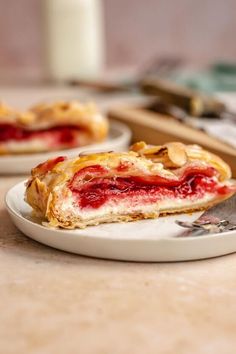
{"x":112,"y":187}
{"x":49,"y":127}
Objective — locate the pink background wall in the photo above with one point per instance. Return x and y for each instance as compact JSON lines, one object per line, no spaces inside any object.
{"x":136,"y":30}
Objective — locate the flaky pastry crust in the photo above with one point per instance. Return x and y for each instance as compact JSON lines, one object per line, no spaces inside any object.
{"x":49,"y":184}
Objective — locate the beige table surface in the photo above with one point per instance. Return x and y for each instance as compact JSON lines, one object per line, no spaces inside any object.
{"x":55,"y":302}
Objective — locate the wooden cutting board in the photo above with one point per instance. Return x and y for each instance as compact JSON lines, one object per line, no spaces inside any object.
{"x":155,"y":128}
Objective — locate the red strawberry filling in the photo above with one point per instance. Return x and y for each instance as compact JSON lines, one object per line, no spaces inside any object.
{"x":93,"y":188}
{"x":58,"y":135}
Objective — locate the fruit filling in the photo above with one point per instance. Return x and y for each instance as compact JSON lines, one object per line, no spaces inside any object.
{"x":66,"y":134}
{"x":92,"y":188}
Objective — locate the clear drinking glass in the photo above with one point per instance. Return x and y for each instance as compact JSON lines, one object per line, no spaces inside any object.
{"x":74,"y":38}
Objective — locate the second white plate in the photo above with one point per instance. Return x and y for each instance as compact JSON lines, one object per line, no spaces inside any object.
{"x":118,"y":140}
{"x":145,"y":241}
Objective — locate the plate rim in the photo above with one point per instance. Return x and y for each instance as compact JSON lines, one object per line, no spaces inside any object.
{"x":11,"y":210}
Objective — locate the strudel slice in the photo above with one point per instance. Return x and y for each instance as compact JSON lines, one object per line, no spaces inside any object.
{"x":141,"y":184}
{"x":49,"y":127}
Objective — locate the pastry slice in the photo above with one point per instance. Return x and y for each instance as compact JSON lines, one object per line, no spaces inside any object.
{"x":141,"y":184}
{"x":49,"y":127}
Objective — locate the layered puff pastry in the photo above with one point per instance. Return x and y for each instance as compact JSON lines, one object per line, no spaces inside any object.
{"x":143,"y":183}
{"x":49,"y":127}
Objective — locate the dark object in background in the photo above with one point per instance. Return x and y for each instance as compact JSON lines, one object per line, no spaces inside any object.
{"x":159,"y":106}
{"x":173,"y":99}
{"x":193,"y":103}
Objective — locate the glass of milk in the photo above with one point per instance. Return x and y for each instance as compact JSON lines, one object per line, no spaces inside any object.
{"x":74,"y":39}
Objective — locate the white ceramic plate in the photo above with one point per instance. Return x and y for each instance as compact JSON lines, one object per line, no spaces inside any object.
{"x":145,"y":241}
{"x":118,"y":140}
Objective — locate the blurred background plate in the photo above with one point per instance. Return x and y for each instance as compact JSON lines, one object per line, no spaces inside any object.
{"x":118,"y":140}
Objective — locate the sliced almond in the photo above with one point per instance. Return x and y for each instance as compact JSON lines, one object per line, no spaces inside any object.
{"x":177,"y":154}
